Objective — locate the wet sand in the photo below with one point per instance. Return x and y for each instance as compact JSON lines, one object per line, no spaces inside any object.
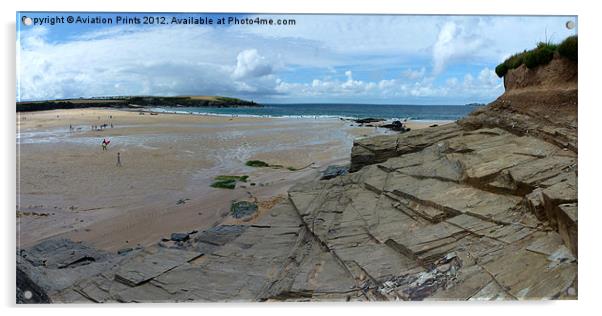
{"x":68,"y":186}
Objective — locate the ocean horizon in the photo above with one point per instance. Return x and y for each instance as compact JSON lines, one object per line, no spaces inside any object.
{"x":335,"y":110}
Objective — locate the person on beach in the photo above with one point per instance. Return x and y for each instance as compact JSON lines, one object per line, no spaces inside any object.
{"x":118,"y":159}
{"x":105,"y":143}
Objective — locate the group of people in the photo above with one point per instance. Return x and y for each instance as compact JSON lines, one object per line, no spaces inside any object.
{"x":105,"y":142}
{"x":101,"y":127}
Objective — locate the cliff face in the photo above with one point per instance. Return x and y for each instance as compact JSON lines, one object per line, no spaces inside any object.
{"x":481,"y":209}
{"x":540,"y":102}
{"x":559,"y":74}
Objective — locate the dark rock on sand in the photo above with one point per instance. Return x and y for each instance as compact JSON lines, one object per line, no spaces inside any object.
{"x":242,"y":209}
{"x":397,"y":126}
{"x":334,"y":171}
{"x":62,"y":253}
{"x":368,"y":120}
{"x":179,"y":236}
{"x":124,"y":250}
{"x":210,"y":240}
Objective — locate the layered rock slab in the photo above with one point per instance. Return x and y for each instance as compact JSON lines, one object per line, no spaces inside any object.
{"x":453,"y":211}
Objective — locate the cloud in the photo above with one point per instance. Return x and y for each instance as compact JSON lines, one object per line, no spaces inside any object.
{"x":302,"y":62}
{"x":250,"y":64}
{"x":453,"y":41}
{"x":479,"y":87}
{"x":349,"y":75}
{"x":131,"y":63}
{"x":414,"y":74}
{"x":330,"y":87}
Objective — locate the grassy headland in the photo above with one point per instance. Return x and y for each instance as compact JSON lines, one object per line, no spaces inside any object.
{"x":133,"y":102}
{"x":540,"y":55}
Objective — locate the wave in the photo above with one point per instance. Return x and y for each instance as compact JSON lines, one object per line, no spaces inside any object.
{"x":329,"y":117}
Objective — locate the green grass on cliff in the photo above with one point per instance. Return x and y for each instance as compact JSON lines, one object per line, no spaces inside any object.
{"x":568,"y":48}
{"x":540,"y":55}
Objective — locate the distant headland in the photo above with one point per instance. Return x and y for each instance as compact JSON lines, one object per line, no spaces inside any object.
{"x":134,"y":102}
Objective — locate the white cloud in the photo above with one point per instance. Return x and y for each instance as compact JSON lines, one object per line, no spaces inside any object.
{"x":472,"y":88}
{"x":250,"y":64}
{"x":454,"y":41}
{"x":264,"y":62}
{"x":131,"y":62}
{"x":414,"y":74}
{"x":488,"y":77}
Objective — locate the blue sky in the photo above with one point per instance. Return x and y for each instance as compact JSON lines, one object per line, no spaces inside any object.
{"x":389,"y":59}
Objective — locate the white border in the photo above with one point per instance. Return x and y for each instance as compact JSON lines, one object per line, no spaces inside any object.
{"x":590,"y":266}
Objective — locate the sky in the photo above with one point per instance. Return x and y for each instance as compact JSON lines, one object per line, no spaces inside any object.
{"x":386,"y":59}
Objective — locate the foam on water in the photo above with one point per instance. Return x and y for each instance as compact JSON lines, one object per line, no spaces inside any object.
{"x":332,"y":111}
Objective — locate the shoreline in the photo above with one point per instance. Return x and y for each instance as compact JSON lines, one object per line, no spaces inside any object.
{"x":333,"y":117}
{"x":413,"y":124}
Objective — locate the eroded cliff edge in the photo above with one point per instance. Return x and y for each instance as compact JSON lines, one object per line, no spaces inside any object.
{"x":481,"y":209}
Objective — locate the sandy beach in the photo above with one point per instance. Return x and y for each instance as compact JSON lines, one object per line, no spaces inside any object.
{"x":68,"y":186}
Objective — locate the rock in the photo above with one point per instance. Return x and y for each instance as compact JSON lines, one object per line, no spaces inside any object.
{"x":179,"y":236}
{"x":210,"y":240}
{"x":182,"y":201}
{"x":28,"y":292}
{"x":444,"y":267}
{"x":368,"y":120}
{"x":397,"y":126}
{"x":150,"y":264}
{"x":243,"y":209}
{"x":124,"y":250}
{"x":334,"y":171}
{"x":463,"y":209}
{"x":62,"y":253}
{"x":380,"y":148}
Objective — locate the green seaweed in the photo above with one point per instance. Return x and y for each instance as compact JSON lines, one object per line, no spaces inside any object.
{"x":257,"y":163}
{"x":234,"y":178}
{"x":227,"y":182}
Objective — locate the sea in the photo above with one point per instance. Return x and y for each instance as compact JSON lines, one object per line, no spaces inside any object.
{"x":336,"y":110}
